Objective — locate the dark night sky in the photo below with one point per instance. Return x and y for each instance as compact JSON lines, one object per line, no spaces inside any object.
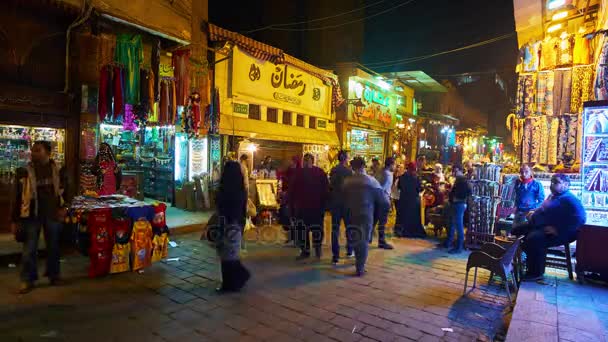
{"x":419,"y":28}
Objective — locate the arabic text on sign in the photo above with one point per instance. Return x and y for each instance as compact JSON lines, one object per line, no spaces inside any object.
{"x":281,"y":76}
{"x":241,"y":108}
{"x":287,"y":98}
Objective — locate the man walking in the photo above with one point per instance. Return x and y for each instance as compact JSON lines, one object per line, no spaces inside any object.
{"x":385,"y":178}
{"x":336,"y":180}
{"x":309,"y":191}
{"x":38,"y":203}
{"x":363,"y":195}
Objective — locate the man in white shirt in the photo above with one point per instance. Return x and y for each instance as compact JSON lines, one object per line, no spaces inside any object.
{"x":385,"y":178}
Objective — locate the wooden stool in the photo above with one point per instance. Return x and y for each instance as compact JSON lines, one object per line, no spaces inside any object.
{"x":559,"y":261}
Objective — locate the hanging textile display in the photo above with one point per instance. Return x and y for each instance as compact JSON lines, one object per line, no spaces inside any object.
{"x":535,"y":139}
{"x":562,"y":91}
{"x":565,"y":49}
{"x":548,"y":53}
{"x":104,"y":101}
{"x":544,"y":94}
{"x":572,"y":134}
{"x":181,"y":65}
{"x":155,"y":62}
{"x":530,"y":57}
{"x":526,"y":89}
{"x":582,"y":87}
{"x":118,"y":92}
{"x":582,"y":50}
{"x":568,"y":126}
{"x":601,"y":75}
{"x":192,"y":115}
{"x":526,"y":141}
{"x":128,"y":123}
{"x":515,"y":125}
{"x":544,"y":139}
{"x":129,"y":53}
{"x":552,"y":141}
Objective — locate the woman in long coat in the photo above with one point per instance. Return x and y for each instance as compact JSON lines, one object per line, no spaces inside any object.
{"x":231,"y":207}
{"x":409,"y":202}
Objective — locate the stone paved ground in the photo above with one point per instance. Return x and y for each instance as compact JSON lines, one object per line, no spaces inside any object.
{"x":410,"y":293}
{"x":560,"y":310}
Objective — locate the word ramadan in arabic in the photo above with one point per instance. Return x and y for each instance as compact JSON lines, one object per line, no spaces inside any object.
{"x":289,"y":81}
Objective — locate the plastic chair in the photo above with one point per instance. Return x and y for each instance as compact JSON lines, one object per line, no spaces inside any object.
{"x":495,"y":259}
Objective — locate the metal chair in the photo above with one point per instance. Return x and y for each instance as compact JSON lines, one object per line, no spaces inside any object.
{"x":495,"y":259}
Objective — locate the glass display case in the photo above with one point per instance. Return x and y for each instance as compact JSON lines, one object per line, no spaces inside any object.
{"x":366,"y":144}
{"x":594,"y":164}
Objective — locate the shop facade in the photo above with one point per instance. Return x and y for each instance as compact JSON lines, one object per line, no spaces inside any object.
{"x":273,"y":105}
{"x":374,"y":109}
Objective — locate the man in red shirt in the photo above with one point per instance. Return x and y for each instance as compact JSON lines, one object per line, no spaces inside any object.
{"x":309,"y":190}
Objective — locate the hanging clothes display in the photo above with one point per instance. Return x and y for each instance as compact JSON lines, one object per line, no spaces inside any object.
{"x":526,"y":89}
{"x":601,"y":75}
{"x":129,"y":52}
{"x":181,"y":65}
{"x":565,"y":47}
{"x":548,"y":53}
{"x":568,"y":126}
{"x":530,"y":57}
{"x":562,"y":91}
{"x":582,"y":53}
{"x":105,"y":78}
{"x":552,"y":141}
{"x":544,"y":94}
{"x":535,"y":139}
{"x":544,"y":139}
{"x":526,"y":141}
{"x":118,"y":92}
{"x":156,"y":69}
{"x":582,"y":87}
{"x":163,"y":106}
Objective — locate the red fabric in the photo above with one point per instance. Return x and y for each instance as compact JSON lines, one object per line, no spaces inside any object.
{"x":118,"y":91}
{"x":101,"y":260}
{"x":101,"y":229}
{"x":159,"y":220}
{"x":102,"y":101}
{"x":181,"y":63}
{"x":196,"y":116}
{"x":309,"y":188}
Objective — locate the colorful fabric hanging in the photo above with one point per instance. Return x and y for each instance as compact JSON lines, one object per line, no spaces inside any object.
{"x":572,"y":134}
{"x":552,"y":141}
{"x":527,"y":141}
{"x":105,"y":78}
{"x":531,"y":57}
{"x":118,"y":92}
{"x":601,"y":75}
{"x":156,"y":69}
{"x":582,"y":50}
{"x":535,"y":140}
{"x":163,"y":107}
{"x":173,"y":103}
{"x":128,"y":123}
{"x":181,"y":65}
{"x":544,"y":94}
{"x":562,"y":91}
{"x":582,"y":87}
{"x":526,"y":90}
{"x":548,"y":53}
{"x":144,"y":92}
{"x":544,"y":139}
{"x":129,"y":53}
{"x":565,"y":47}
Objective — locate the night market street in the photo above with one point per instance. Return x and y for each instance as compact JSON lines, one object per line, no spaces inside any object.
{"x":285,"y":300}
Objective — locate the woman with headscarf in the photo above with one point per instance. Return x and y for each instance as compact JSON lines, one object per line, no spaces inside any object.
{"x":109,"y":176}
{"x":231,"y":208}
{"x":409,"y":203}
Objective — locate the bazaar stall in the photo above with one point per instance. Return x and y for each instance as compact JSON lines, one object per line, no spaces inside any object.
{"x":119,"y":233}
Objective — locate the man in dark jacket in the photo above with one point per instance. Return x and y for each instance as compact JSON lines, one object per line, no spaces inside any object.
{"x":336,"y":180}
{"x":37,"y":203}
{"x":309,"y":191}
{"x":555,"y":223}
{"x":458,"y":204}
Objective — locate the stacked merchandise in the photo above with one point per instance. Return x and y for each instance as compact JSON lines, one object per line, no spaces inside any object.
{"x":120,"y":234}
{"x":483,"y":204}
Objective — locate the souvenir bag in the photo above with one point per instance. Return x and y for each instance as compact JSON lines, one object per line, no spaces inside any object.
{"x":122,"y":247}
{"x":160,"y":246}
{"x":101,"y":260}
{"x":141,"y":244}
{"x":101,"y":229}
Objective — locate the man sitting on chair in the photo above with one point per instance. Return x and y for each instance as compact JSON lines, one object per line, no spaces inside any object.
{"x":555,"y":223}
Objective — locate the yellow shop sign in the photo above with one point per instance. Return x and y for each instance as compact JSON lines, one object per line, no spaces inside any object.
{"x":289,"y":87}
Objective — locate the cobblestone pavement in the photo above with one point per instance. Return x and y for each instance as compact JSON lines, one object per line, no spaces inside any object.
{"x":409,"y":293}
